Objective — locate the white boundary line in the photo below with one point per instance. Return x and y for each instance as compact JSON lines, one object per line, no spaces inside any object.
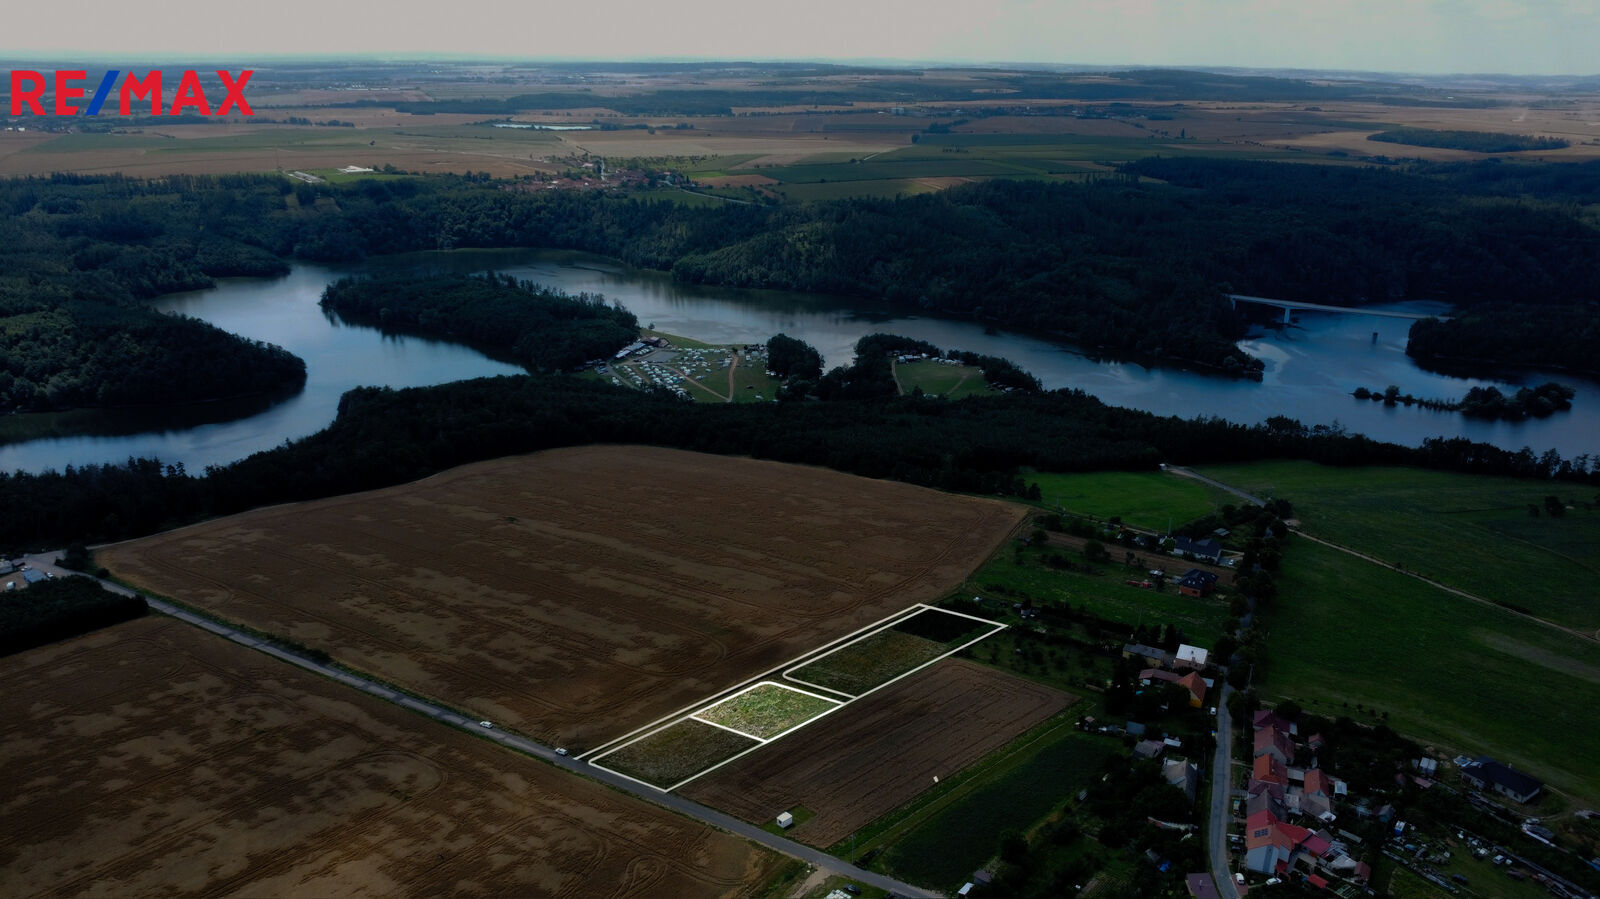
{"x":919,"y":607}
{"x":915,"y":610}
{"x":757,"y":686}
{"x":670,"y":717}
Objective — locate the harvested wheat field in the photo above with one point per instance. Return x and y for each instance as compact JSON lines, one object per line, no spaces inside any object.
{"x":577,"y":594}
{"x":880,"y":752}
{"x":155,"y":759}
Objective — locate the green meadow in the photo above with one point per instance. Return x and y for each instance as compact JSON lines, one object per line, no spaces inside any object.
{"x":1144,"y":499}
{"x":1472,"y":533}
{"x":1348,"y":637}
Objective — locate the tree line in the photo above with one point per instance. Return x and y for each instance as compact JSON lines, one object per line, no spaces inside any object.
{"x":1475,"y":141}
{"x":1485,"y":402}
{"x":540,"y":328}
{"x":978,"y":444}
{"x":48,"y":611}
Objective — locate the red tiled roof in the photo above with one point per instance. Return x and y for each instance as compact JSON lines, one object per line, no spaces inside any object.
{"x":1317,"y":881}
{"x":1268,"y":768}
{"x":1294,"y":833}
{"x":1195,"y":684}
{"x":1271,"y":737}
{"x":1318,"y":782}
{"x":1318,"y":845}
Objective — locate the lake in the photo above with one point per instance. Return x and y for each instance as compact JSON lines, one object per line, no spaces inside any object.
{"x":1311,"y":368}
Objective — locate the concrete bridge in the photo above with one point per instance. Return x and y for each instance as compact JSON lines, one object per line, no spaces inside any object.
{"x":1288,"y":306}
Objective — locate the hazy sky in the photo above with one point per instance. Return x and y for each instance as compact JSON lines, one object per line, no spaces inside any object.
{"x":1510,"y":36}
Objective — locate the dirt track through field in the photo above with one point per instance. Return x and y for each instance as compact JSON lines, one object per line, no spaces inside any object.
{"x":576,"y":594}
{"x":154,"y":759}
{"x":880,"y":752}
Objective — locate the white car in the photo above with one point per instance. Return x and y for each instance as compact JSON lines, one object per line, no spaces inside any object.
{"x":561,"y":750}
{"x":486,"y":725}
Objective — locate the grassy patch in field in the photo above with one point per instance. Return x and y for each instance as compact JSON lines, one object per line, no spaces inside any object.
{"x":949,"y":381}
{"x":1470,"y":532}
{"x":673,"y":753}
{"x":751,"y":383}
{"x":801,"y":815}
{"x":871,"y":661}
{"x":766,"y":710}
{"x":944,"y":849}
{"x":1024,"y":574}
{"x":1467,"y":677}
{"x":1143,"y":499}
{"x":879,"y":658}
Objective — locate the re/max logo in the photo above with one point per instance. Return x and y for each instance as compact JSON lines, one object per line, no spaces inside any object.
{"x":27,"y":90}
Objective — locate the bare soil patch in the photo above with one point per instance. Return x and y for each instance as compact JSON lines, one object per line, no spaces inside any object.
{"x":880,"y":752}
{"x":154,"y":759}
{"x":576,"y":594}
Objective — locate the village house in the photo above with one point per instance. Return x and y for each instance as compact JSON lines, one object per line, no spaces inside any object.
{"x":1184,"y":775}
{"x":1487,"y":774}
{"x":1196,"y":582}
{"x":1151,"y":656}
{"x":1203,"y":550}
{"x":1274,"y":742}
{"x":1190,"y":657}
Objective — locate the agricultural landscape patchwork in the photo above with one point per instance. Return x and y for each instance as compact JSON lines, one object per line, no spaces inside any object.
{"x":669,"y":617}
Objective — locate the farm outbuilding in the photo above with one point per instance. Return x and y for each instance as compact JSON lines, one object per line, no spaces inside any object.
{"x":785,"y":820}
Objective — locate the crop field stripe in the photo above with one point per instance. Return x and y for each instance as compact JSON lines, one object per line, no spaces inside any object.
{"x":887,"y":623}
{"x":695,"y":706}
{"x":761,"y":740}
{"x":848,"y":696}
{"x":636,"y":780}
{"x":733,"y":758}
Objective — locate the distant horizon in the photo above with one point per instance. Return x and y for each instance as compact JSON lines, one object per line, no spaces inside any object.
{"x":1513,"y":38}
{"x":65,"y":57}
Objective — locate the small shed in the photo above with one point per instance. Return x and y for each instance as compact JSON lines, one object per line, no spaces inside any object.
{"x":785,"y":820}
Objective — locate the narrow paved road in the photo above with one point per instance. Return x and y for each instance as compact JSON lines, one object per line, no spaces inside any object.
{"x":46,"y":562}
{"x":1190,"y":473}
{"x":1221,"y":800}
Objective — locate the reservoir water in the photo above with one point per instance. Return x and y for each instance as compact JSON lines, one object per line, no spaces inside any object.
{"x":1311,"y":368}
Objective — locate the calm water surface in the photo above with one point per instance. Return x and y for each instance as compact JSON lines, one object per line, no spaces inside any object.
{"x":1311,"y":368}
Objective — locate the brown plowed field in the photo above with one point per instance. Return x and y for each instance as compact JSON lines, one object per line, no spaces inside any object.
{"x":878,"y":753}
{"x":155,"y":759}
{"x":577,"y":594}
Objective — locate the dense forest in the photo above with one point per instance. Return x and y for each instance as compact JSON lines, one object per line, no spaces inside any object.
{"x":1121,"y":266}
{"x":76,"y":262}
{"x":1475,"y":141}
{"x":979,"y":444}
{"x":1562,"y":336}
{"x":54,"y":610}
{"x":539,"y":328}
